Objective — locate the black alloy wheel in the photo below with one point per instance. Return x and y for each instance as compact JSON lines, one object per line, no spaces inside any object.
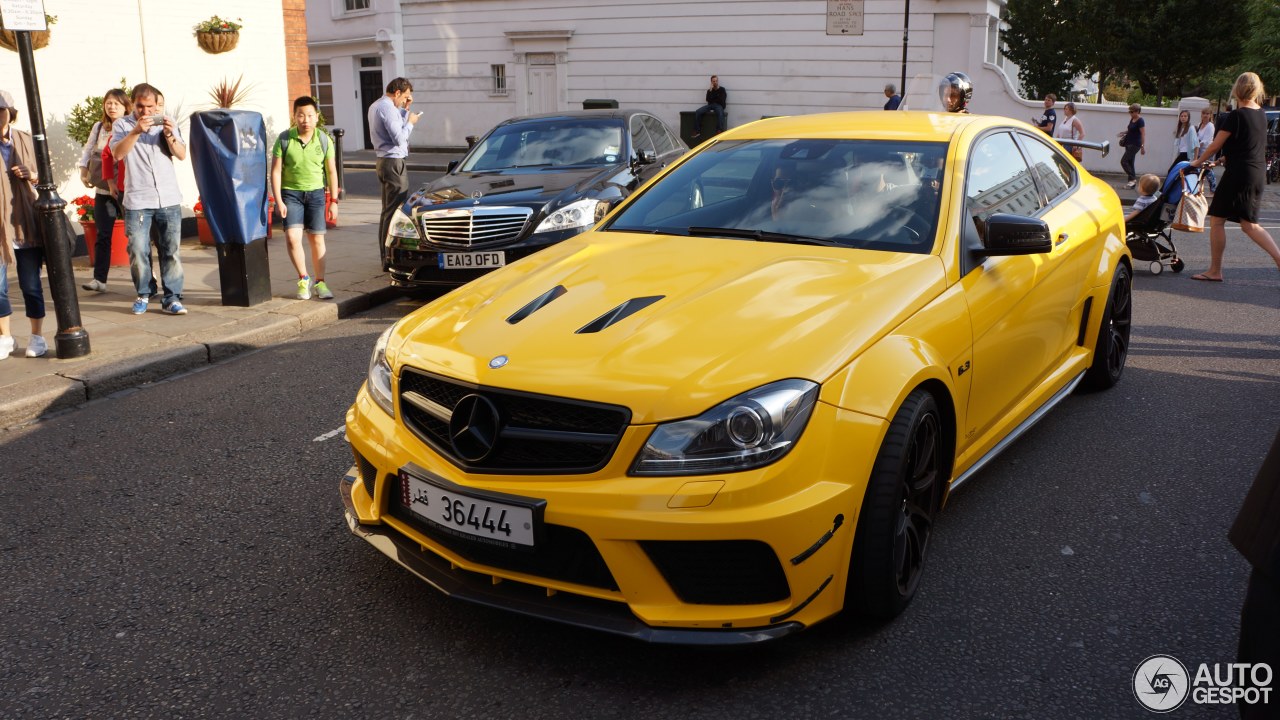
{"x":901,"y":504}
{"x":1112,"y":349}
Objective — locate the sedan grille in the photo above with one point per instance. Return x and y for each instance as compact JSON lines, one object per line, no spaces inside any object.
{"x":475,"y":226}
{"x":489,"y":430}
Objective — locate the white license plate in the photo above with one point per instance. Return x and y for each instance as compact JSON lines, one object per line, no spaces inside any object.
{"x":471,"y":260}
{"x":471,"y":517}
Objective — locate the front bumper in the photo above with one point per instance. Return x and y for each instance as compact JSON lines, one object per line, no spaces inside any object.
{"x":419,"y":267}
{"x":802,"y":510}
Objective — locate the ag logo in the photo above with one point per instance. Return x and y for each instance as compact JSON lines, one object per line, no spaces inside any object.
{"x":1161,"y":683}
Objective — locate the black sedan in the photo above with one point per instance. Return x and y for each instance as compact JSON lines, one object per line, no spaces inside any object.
{"x":530,"y":182}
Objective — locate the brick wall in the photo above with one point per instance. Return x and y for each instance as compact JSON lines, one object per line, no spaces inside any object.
{"x":295,"y":48}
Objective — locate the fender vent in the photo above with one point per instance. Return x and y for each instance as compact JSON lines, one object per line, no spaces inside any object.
{"x":537,"y":304}
{"x":623,"y":311}
{"x":1084,"y":321}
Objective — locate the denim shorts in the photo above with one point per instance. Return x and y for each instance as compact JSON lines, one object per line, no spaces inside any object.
{"x":304,"y":207}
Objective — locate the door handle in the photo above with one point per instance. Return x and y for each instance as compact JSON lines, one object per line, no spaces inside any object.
{"x":1062,"y":237}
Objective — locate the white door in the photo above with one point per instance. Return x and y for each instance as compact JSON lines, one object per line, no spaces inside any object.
{"x":542,"y":84}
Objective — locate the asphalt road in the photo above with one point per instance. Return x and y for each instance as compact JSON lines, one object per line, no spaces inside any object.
{"x":178,"y":551}
{"x":365,"y":183}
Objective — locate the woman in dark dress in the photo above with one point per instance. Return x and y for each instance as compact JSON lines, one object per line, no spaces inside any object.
{"x":1242,"y":138}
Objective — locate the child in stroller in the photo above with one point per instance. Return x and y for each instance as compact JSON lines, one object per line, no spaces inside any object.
{"x":1148,"y":235}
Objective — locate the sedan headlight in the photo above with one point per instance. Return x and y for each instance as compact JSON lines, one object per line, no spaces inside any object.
{"x":744,"y":432}
{"x":579,"y":214}
{"x":401,"y":227}
{"x":379,"y":380}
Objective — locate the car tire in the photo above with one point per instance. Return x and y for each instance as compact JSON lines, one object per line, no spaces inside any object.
{"x":903,"y":497}
{"x":1112,"y":349}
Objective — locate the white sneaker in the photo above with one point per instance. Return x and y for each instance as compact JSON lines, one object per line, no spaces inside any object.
{"x":95,"y":286}
{"x":6,"y":346}
{"x":304,"y":289}
{"x":36,"y":346}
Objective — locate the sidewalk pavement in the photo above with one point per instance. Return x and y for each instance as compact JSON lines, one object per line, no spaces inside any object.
{"x":129,"y":350}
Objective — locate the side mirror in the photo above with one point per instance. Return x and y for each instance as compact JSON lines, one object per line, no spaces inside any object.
{"x":645,"y":157}
{"x":1016,"y":235}
{"x":453,"y":165}
{"x":472,"y":140}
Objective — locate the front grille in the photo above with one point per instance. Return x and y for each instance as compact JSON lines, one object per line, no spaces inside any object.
{"x":368,"y":473}
{"x":720,"y":572}
{"x":561,"y":553}
{"x":536,"y":434}
{"x":474,"y":227}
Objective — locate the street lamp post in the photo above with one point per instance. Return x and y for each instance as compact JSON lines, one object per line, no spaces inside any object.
{"x":906,"y":24}
{"x":71,"y":340}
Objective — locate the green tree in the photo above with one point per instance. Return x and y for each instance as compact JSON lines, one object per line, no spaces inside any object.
{"x":1178,"y":41}
{"x":82,"y":117}
{"x":1261,"y":51}
{"x":1042,"y":41}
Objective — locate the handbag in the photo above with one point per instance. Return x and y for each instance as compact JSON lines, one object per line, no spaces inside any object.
{"x":1192,"y":209}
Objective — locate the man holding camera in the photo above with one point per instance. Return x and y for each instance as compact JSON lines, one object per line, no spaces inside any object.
{"x":147,"y":142}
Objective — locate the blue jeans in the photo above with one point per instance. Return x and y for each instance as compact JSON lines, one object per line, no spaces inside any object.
{"x":137,"y":227}
{"x":29,"y":262}
{"x":711,"y":107}
{"x":305,"y":208}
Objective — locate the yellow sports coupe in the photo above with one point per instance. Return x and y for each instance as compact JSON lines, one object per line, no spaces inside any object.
{"x":738,"y":404}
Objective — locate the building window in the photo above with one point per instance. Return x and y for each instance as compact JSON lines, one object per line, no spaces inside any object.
{"x":356,"y":5}
{"x":322,"y":90}
{"x":499,"y":74}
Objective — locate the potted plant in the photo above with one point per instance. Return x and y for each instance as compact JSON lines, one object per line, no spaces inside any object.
{"x":119,"y":243}
{"x":217,"y":35}
{"x":39,"y":38}
{"x":202,"y":224}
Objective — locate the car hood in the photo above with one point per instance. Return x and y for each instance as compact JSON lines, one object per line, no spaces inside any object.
{"x":732,"y":315}
{"x":526,"y":188}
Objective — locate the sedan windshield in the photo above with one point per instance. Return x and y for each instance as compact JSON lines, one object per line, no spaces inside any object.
{"x":870,"y":194}
{"x":552,"y":142}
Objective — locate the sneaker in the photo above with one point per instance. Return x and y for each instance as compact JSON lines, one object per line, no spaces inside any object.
{"x":1131,"y":183}
{"x":323,"y":292}
{"x":6,"y":346}
{"x":140,"y":305}
{"x":95,"y":286}
{"x":304,"y":289}
{"x":175,"y":308}
{"x":37,"y":346}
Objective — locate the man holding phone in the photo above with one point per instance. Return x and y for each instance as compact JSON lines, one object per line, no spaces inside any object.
{"x":147,"y":143}
{"x":390,"y":124}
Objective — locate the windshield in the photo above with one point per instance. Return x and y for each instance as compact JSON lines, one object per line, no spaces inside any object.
{"x":551,"y":142}
{"x":870,"y":194}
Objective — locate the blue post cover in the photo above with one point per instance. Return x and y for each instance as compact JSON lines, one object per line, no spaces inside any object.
{"x":229,"y":156}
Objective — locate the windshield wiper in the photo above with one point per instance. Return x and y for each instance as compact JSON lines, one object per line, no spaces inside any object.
{"x":533,"y":165}
{"x":759,"y":236}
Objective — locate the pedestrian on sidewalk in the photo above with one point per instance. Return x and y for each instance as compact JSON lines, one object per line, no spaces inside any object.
{"x":115,"y":105}
{"x":1070,"y":128}
{"x":895,"y":100}
{"x":1242,"y":138}
{"x":147,"y":142}
{"x":717,"y":101}
{"x":1204,"y":132}
{"x":1134,"y":140}
{"x":302,"y":164}
{"x":390,"y":124}
{"x":1048,"y":121}
{"x":1186,"y":141}
{"x":19,"y":234}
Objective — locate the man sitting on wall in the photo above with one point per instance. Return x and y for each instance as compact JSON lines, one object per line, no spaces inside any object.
{"x":717,"y":100}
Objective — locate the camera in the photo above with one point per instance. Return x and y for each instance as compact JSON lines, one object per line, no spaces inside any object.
{"x":158,"y":118}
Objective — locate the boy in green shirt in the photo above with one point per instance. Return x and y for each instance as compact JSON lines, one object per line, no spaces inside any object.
{"x":302,"y":156}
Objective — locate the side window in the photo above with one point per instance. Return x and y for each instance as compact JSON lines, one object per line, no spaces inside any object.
{"x":640,"y":139}
{"x":1055,"y":173}
{"x":661,"y":141}
{"x":998,"y":181}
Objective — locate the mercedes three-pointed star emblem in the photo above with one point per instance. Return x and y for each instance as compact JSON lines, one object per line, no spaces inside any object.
{"x":474,"y":427}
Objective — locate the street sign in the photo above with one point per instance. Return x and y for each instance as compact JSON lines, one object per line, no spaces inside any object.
{"x":844,"y":17}
{"x":23,"y":15}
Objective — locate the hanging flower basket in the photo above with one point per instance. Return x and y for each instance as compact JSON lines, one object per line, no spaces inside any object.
{"x":217,"y":42}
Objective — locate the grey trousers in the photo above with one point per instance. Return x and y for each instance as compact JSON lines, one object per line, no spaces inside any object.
{"x":395,"y":189}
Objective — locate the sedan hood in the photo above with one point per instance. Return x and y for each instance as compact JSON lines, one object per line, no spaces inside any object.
{"x":667,"y":326}
{"x":527,"y":188}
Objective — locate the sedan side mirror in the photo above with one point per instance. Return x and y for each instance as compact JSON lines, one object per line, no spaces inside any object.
{"x":1016,"y":235}
{"x":645,"y":157}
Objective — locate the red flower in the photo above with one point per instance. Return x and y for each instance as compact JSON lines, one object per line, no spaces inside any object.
{"x":198,"y":208}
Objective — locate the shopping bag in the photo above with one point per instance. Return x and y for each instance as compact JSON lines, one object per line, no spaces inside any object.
{"x":1192,"y":209}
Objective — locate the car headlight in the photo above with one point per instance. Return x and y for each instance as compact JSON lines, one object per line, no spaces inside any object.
{"x":379,"y":380}
{"x":401,"y":227}
{"x":582,"y":213}
{"x":744,"y":432}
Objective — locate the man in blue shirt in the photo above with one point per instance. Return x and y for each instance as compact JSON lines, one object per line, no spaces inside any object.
{"x":895,"y":99}
{"x":390,"y":124}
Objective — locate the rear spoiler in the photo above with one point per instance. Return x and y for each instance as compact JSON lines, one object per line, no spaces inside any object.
{"x":1104,"y":146}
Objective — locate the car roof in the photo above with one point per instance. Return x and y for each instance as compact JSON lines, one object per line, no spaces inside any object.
{"x":869,"y":124}
{"x":619,"y":114}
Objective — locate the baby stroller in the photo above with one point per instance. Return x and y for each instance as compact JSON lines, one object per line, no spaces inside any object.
{"x":1148,"y":235}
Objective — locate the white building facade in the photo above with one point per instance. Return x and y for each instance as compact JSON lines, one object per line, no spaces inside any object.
{"x":474,"y":63}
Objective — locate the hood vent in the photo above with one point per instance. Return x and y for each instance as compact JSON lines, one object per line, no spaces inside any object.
{"x":625,"y":310}
{"x":538,"y":303}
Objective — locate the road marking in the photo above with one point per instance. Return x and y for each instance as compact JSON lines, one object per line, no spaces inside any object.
{"x":329,"y":435}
